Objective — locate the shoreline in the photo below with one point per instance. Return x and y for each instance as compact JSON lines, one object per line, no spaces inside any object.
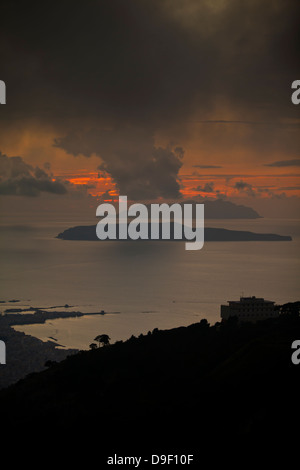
{"x":27,"y":354}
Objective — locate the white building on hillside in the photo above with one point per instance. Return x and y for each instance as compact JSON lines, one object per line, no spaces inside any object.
{"x":249,"y":309}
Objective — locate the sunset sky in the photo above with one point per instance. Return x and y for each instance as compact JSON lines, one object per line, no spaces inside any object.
{"x":153,"y":99}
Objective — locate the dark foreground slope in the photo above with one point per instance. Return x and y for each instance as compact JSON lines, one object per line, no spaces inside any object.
{"x":193,"y":388}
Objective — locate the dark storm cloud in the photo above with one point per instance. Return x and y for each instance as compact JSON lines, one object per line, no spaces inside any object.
{"x":146,"y":65}
{"x":147,"y":60}
{"x":19,"y":178}
{"x":111,"y":60}
{"x":245,"y":187}
{"x":241,"y":185}
{"x":284,"y":163}
{"x":262,"y":138}
{"x":14,"y":167}
{"x":139,"y":169}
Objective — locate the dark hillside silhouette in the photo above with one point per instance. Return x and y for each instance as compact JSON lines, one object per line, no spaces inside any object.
{"x":192,"y":387}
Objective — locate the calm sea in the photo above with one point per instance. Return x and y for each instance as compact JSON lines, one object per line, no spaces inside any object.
{"x":141,"y":286}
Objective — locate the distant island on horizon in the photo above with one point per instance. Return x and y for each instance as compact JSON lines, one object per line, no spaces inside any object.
{"x":88,"y":233}
{"x":220,"y":209}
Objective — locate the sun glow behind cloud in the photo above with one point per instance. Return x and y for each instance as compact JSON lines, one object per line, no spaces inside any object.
{"x":203,"y":183}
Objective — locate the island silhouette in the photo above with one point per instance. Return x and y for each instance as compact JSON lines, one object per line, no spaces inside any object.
{"x":88,"y":233}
